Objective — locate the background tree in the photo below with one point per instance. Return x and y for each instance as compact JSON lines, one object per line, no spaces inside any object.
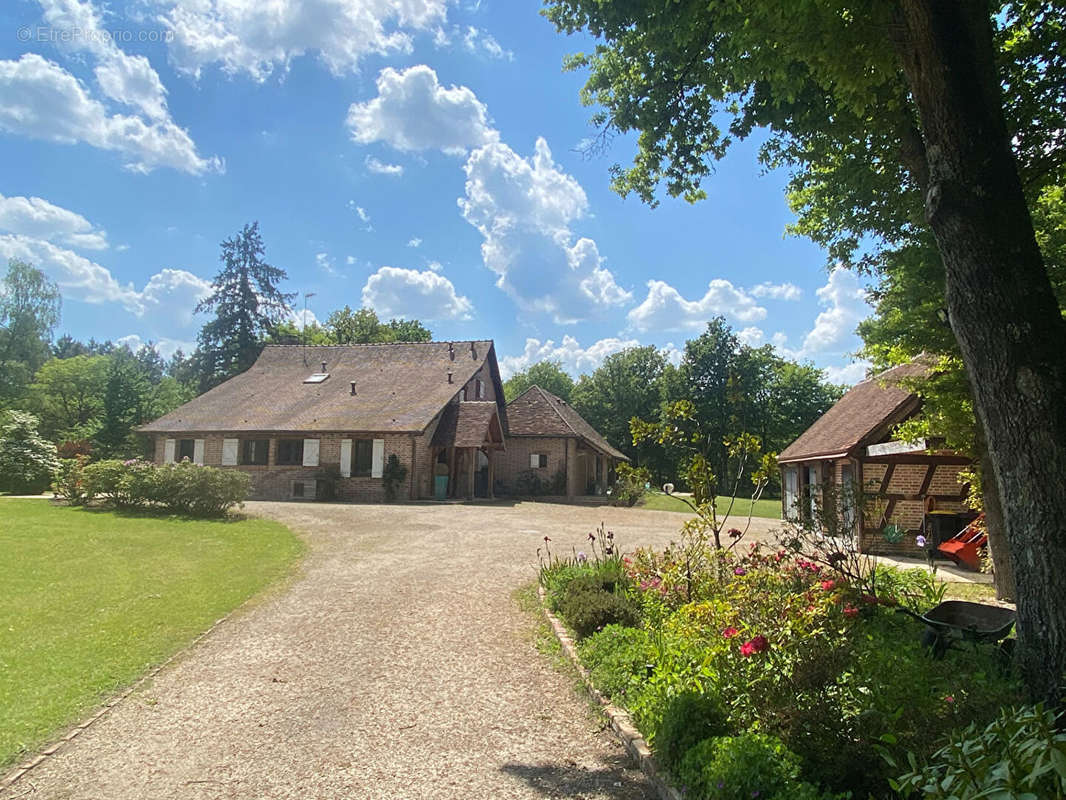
{"x":29,"y":311}
{"x":67,"y":395}
{"x":926,"y":119}
{"x":28,"y":461}
{"x":626,"y":385}
{"x":548,"y":375}
{"x":247,"y":304}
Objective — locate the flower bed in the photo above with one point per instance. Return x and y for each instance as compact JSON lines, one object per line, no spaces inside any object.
{"x":767,"y":675}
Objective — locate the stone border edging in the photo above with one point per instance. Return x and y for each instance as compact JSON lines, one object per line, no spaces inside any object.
{"x":621,"y":723}
{"x":12,"y":777}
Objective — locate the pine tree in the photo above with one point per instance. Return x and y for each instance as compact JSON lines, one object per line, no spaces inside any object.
{"x":246,"y":303}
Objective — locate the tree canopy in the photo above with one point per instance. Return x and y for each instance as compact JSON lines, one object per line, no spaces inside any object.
{"x":548,"y":375}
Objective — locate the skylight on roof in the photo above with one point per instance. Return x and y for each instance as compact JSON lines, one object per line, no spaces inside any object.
{"x":316,"y":377}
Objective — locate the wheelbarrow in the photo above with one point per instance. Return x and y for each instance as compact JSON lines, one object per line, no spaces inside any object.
{"x":958,"y":620}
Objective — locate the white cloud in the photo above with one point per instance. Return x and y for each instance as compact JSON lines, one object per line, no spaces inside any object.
{"x":846,"y":306}
{"x":325,"y":262}
{"x":575,"y":359}
{"x":362,"y":213}
{"x":248,"y":36}
{"x":408,"y":293}
{"x":414,"y":242}
{"x":350,"y":260}
{"x":751,"y":336}
{"x":664,"y":309}
{"x":777,"y":291}
{"x":849,"y":373}
{"x":40,"y":99}
{"x":165,"y":346}
{"x":170,"y":292}
{"x":524,"y":208}
{"x":127,"y":79}
{"x":413,"y":111}
{"x":379,"y":167}
{"x":37,"y":218}
{"x":478,"y":41}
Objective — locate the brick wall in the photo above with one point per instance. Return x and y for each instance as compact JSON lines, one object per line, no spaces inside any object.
{"x":515,"y":460}
{"x":273,"y":482}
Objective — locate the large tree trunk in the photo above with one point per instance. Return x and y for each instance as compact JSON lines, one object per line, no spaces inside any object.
{"x":994,"y":526}
{"x":1010,"y":332}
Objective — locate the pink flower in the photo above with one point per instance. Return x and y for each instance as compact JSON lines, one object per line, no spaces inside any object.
{"x":851,"y":611}
{"x":949,"y":699}
{"x":740,"y":571}
{"x":829,"y":585}
{"x":747,"y":649}
{"x":730,"y":632}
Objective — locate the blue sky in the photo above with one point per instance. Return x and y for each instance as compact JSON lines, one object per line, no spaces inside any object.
{"x":417,"y":156}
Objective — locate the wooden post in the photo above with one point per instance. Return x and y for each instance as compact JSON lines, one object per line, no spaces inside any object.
{"x":491,"y":453}
{"x":472,"y":454}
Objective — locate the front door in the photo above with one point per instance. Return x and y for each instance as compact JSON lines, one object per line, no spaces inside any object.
{"x":481,"y":475}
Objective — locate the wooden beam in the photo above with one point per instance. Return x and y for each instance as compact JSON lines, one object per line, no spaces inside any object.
{"x":472,"y":455}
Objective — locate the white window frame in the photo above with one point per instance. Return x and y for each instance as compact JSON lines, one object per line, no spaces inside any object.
{"x":377,"y":459}
{"x":311,"y":450}
{"x":230,"y":452}
{"x":170,"y":447}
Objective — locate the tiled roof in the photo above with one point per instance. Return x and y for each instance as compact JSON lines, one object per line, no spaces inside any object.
{"x":469,"y":423}
{"x":399,"y":387}
{"x":868,"y":408}
{"x":538,"y":412}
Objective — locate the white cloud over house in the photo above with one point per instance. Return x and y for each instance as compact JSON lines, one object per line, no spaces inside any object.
{"x":524,"y":209}
{"x":41,"y":100}
{"x":414,"y":294}
{"x":576,"y":360}
{"x":665,"y":309}
{"x":777,"y":291}
{"x":379,"y":167}
{"x":413,"y":111}
{"x":845,"y":307}
{"x":37,"y":218}
{"x":250,"y":38}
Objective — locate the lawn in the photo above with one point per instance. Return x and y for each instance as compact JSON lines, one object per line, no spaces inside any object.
{"x":92,"y":599}
{"x":657,"y":501}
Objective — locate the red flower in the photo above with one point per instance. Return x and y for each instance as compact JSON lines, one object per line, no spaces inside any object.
{"x":949,"y":699}
{"x":757,"y":645}
{"x":851,"y":611}
{"x":871,"y":599}
{"x":829,"y":585}
{"x":730,"y":632}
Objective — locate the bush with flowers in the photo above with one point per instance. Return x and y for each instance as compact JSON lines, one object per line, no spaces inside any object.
{"x":796,"y":650}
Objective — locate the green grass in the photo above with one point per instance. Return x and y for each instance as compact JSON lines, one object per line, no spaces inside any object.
{"x":974,"y":592}
{"x":770,"y":509}
{"x":93,"y":599}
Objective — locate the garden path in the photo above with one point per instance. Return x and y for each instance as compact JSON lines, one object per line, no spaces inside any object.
{"x":397,"y":664}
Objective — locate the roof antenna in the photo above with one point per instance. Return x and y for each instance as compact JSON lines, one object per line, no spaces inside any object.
{"x":451,"y":350}
{"x":323,"y":366}
{"x":473,"y":351}
{"x":449,"y":376}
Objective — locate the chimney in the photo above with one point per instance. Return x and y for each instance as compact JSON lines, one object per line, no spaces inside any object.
{"x":473,"y":351}
{"x":451,"y":350}
{"x":352,"y":383}
{"x":323,"y":366}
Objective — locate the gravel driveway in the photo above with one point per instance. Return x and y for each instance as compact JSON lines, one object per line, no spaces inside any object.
{"x":396,"y":665}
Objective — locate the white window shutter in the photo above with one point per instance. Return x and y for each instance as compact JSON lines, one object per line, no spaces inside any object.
{"x":310,"y":452}
{"x":229,"y":452}
{"x":377,"y":463}
{"x":534,"y":460}
{"x":198,"y":452}
{"x":168,"y":451}
{"x":346,"y":458}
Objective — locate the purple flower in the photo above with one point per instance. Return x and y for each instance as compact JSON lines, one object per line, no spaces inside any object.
{"x":740,"y":571}
{"x":920,"y":541}
{"x":582,"y":558}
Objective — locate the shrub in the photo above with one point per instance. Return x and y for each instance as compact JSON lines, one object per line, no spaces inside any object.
{"x":529,"y":484}
{"x":181,"y":488}
{"x":629,"y":487}
{"x":122,"y":484}
{"x":28,"y":463}
{"x":688,"y":719}
{"x":617,"y":658}
{"x":392,"y":476}
{"x":69,"y":483}
{"x":1021,"y":754}
{"x":743,"y":767}
{"x":592,"y":610}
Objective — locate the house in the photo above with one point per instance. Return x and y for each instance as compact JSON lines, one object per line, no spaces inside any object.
{"x":849,"y":456}
{"x":303,"y":417}
{"x":550,"y":440}
{"x":307,"y":421}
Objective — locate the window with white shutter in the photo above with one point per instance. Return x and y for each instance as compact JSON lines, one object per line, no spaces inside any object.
{"x":169,"y":447}
{"x":198,"y":452}
{"x":377,"y":463}
{"x":230,"y":449}
{"x":310,"y":452}
{"x":346,"y":458}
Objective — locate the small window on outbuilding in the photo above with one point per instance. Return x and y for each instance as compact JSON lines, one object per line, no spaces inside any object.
{"x":186,"y":449}
{"x":290,"y":452}
{"x":255,"y":451}
{"x":480,"y":389}
{"x":538,"y":460}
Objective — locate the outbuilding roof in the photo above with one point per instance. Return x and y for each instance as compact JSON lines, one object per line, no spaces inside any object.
{"x":470,"y":423}
{"x":399,"y":388}
{"x":538,"y":412}
{"x":867,"y":411}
